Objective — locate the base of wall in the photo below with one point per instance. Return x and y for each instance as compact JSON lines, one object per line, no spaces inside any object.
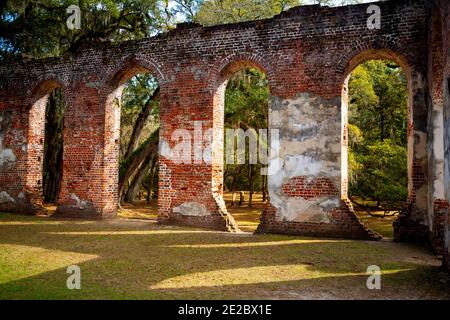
{"x":22,"y":208}
{"x":437,"y":236}
{"x":214,"y":222}
{"x":345,"y":224}
{"x":90,"y":213}
{"x":408,"y":230}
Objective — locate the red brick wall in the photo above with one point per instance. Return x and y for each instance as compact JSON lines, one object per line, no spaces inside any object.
{"x":305,"y":52}
{"x":301,"y":187}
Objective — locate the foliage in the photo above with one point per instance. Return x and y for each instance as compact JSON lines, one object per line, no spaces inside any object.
{"x":137,"y":91}
{"x":246,"y":106}
{"x":379,"y":172}
{"x":378,"y":95}
{"x":215,"y":12}
{"x":378,"y":152}
{"x":37,"y":28}
{"x":378,"y":101}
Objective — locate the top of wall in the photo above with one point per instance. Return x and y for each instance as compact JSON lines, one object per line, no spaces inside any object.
{"x":192,"y":41}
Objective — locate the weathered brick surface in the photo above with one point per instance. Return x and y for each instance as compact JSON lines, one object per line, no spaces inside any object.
{"x":307,"y":54}
{"x":301,"y":187}
{"x":445,"y":26}
{"x":345,"y":224}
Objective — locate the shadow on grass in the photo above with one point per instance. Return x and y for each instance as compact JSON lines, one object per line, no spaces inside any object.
{"x":122,"y":259}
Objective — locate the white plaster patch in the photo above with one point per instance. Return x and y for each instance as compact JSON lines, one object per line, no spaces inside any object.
{"x":6,"y":198}
{"x":300,"y":165}
{"x":310,"y":147}
{"x":7,"y":157}
{"x":303,"y":210}
{"x":81,"y":204}
{"x":191,"y":209}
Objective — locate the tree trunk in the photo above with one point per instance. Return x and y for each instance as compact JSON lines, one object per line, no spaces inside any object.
{"x":140,"y":123}
{"x":136,"y":183}
{"x":132,"y":163}
{"x":264,"y":187}
{"x":237,"y":170}
{"x":53,"y":146}
{"x":152,"y":179}
{"x":251,"y":178}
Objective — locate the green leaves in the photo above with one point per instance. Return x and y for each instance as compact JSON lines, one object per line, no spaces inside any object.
{"x":380,"y":173}
{"x":37,"y":28}
{"x":214,"y":12}
{"x":377,"y":133}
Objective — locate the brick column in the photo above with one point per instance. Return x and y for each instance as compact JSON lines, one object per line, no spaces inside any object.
{"x":187,"y":194}
{"x":412,"y":224}
{"x":445,"y":25}
{"x":20,"y":183}
{"x":90,"y":166}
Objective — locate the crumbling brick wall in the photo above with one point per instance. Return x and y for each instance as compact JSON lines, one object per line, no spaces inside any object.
{"x":307,"y":54}
{"x":445,"y":25}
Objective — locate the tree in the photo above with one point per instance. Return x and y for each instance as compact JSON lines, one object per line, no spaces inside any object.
{"x":215,"y":12}
{"x":37,"y":28}
{"x":140,"y":119}
{"x":377,"y":154}
{"x":53,"y":145}
{"x":246,"y":107}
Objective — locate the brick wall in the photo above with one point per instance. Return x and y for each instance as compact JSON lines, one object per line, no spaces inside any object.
{"x":445,"y":24}
{"x":307,"y":53}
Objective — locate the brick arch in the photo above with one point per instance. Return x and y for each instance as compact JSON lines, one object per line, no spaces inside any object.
{"x":125,"y":68}
{"x":372,"y":50}
{"x":219,"y":77}
{"x":35,"y":105}
{"x":42,"y":87}
{"x":116,"y":77}
{"x":360,"y":55}
{"x":235,"y":62}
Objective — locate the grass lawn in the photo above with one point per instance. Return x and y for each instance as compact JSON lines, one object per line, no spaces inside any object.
{"x":139,"y":259}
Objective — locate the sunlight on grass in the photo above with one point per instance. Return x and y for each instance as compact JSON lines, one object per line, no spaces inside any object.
{"x":123,"y":259}
{"x":247,"y":218}
{"x":253,"y":275}
{"x":124,"y":233}
{"x":382,"y":225}
{"x":19,"y":261}
{"x":41,"y":221}
{"x":253,"y":244}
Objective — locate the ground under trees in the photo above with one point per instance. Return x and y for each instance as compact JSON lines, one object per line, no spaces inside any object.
{"x":129,"y":259}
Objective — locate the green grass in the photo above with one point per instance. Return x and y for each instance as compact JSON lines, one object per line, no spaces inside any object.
{"x":382,"y":225}
{"x":133,"y":259}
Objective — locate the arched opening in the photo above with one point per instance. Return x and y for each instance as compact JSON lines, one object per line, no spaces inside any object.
{"x":46,"y":145}
{"x":53,"y":146}
{"x":377,"y":142}
{"x":241,"y":115}
{"x":133,"y":124}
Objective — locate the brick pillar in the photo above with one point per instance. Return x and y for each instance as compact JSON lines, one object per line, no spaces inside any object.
{"x":437,"y":205}
{"x":305,"y":188}
{"x":90,"y":165}
{"x":445,"y":25}
{"x":20,"y":181}
{"x":412,"y":224}
{"x":187,"y":194}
